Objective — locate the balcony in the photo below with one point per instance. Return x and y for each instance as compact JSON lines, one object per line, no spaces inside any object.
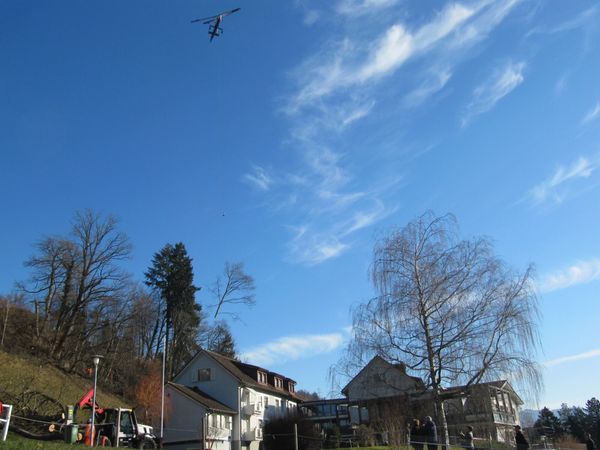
{"x":221,"y":434}
{"x":254,"y":434}
{"x":504,"y":417}
{"x":252,"y":408}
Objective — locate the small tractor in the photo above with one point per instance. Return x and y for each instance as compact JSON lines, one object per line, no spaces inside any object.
{"x":114,"y":427}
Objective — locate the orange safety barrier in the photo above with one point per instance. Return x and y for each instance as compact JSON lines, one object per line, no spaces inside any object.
{"x":87,"y":436}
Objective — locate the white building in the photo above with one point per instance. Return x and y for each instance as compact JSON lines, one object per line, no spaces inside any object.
{"x":234,"y":399}
{"x":189,"y":411}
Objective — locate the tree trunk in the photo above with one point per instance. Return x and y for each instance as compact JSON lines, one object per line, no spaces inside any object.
{"x":444,"y":437}
{"x":5,"y":323}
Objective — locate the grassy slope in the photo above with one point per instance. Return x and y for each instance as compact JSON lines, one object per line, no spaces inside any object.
{"x":16,"y":442}
{"x":19,"y":375}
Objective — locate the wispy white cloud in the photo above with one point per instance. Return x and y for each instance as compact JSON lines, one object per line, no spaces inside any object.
{"x":553,"y":189}
{"x":366,"y":218}
{"x":579,"y":273}
{"x":352,"y":115}
{"x":318,"y":241}
{"x":580,"y":20}
{"x":312,"y":246}
{"x":572,"y":358}
{"x":561,"y":83}
{"x":361,"y":7}
{"x":502,"y":82}
{"x":340,"y":68}
{"x":591,"y":115}
{"x":338,"y":88}
{"x":259,"y":178}
{"x":312,"y":17}
{"x":434,"y":83}
{"x":293,"y":348}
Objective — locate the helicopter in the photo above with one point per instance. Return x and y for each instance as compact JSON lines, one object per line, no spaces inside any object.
{"x":215,"y":22}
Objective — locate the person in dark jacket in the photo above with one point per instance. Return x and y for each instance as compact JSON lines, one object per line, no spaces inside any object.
{"x":520,"y":439}
{"x":589,"y":442}
{"x":430,"y":433}
{"x":416,"y":438}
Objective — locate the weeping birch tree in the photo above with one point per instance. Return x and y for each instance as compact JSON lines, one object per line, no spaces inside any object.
{"x":449,"y":309}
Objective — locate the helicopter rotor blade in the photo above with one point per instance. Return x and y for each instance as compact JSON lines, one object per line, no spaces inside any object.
{"x":231,"y":11}
{"x":207,"y":19}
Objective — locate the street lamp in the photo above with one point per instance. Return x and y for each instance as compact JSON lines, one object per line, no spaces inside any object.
{"x":95,"y":360}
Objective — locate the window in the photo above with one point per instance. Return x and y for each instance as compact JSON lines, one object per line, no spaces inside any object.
{"x":262,"y":377}
{"x":291,"y":387}
{"x":266,"y":401}
{"x":126,"y":422}
{"x":203,"y":375}
{"x":278,"y":383}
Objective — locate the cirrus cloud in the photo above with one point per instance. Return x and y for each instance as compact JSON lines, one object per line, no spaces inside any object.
{"x":485,"y":96}
{"x":555,"y":188}
{"x":578,"y":273}
{"x":572,"y":358}
{"x":292,"y":348}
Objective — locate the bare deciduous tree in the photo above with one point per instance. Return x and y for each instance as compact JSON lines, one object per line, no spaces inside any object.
{"x":74,"y":279}
{"x":234,"y":287}
{"x":148,"y":322}
{"x":447,"y":308}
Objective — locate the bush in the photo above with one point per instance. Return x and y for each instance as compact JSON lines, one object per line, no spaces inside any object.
{"x":278,"y":433}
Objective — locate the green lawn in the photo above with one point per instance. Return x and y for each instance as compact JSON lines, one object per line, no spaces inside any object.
{"x":16,"y":442}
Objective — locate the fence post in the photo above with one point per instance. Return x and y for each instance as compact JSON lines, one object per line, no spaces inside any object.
{"x":5,"y":422}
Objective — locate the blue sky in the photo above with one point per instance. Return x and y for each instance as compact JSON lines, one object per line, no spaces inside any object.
{"x":304,"y":132}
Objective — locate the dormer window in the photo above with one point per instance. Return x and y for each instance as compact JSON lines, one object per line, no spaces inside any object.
{"x":291,"y":387}
{"x":262,"y":377}
{"x":278,"y":383}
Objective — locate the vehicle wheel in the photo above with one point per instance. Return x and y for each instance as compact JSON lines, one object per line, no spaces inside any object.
{"x":147,"y":443}
{"x":104,"y":442}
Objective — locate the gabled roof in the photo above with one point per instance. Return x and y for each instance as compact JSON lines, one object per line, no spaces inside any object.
{"x":500,"y":384}
{"x":202,"y":397}
{"x":238,"y":369}
{"x":399,"y":367}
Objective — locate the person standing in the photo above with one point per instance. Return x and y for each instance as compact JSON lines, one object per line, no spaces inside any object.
{"x":520,"y":439}
{"x":468,"y":438}
{"x":430,"y":433}
{"x":416,"y":438}
{"x":589,"y":442}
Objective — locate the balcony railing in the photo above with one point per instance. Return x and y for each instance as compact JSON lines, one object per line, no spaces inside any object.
{"x":253,"y":408}
{"x":218,"y":433}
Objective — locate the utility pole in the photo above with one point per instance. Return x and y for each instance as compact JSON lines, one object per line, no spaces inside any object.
{"x":162,"y":395}
{"x":95,"y":360}
{"x":295,"y":436}
{"x":204,"y":421}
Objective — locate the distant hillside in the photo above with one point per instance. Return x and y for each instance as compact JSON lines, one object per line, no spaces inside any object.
{"x":527,"y":417}
{"x":20,"y":375}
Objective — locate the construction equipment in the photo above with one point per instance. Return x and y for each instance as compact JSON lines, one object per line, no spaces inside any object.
{"x":5,"y":413}
{"x":116,"y":427}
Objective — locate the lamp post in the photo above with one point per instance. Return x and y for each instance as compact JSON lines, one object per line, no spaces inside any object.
{"x":95,"y":360}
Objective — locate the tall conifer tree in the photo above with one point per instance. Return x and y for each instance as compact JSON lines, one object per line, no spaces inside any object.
{"x":171,"y":275}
